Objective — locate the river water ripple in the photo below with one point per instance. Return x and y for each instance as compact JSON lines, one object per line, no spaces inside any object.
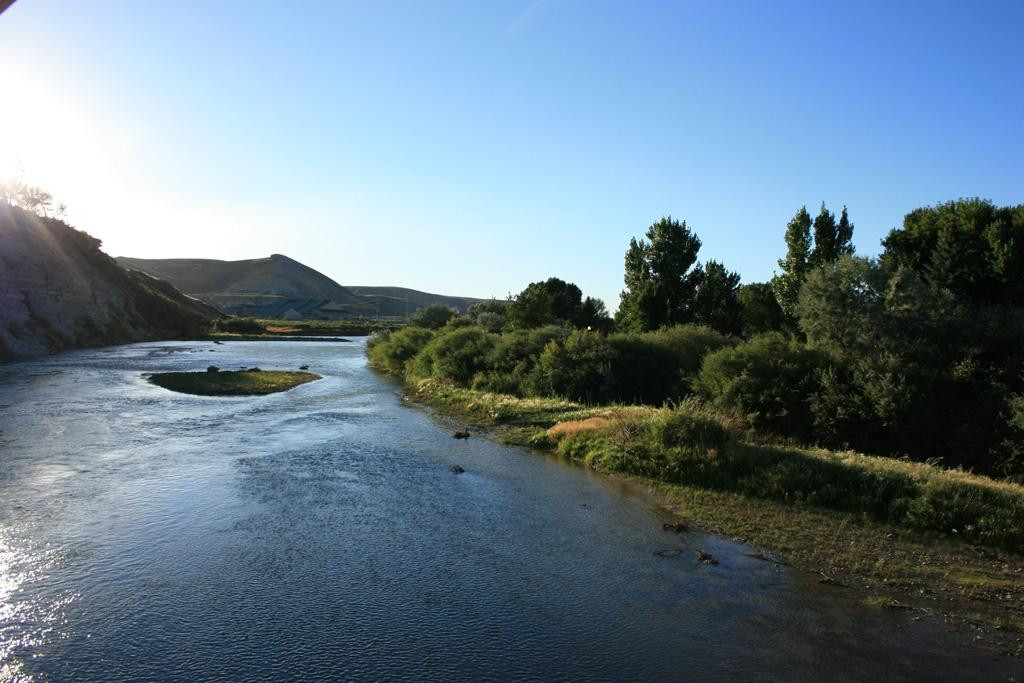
{"x":320,"y":534}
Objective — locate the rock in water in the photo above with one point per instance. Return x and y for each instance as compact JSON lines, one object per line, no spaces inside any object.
{"x":705,"y":558}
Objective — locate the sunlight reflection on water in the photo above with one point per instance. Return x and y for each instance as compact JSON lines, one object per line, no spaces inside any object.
{"x":25,"y":625}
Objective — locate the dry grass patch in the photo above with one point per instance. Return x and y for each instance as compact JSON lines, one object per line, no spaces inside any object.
{"x":575,"y":426}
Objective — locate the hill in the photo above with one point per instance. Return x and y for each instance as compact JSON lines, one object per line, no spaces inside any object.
{"x":396,"y":298}
{"x":281,"y":287}
{"x":58,"y":290}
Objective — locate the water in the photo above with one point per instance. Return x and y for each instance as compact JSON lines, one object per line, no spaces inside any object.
{"x":320,"y":534}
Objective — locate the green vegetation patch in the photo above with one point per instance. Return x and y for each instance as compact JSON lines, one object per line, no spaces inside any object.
{"x":252,"y":382}
{"x":694,"y":445}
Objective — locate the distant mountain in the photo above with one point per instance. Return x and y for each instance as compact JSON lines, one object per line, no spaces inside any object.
{"x":58,"y":290}
{"x":398,"y":298}
{"x":281,"y":287}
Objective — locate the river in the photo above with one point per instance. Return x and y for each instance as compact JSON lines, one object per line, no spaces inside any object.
{"x":320,"y":534}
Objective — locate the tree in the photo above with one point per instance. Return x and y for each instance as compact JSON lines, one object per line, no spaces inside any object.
{"x":660,"y":279}
{"x":760,"y":309}
{"x":844,"y":235}
{"x":552,"y":301}
{"x":530,"y":308}
{"x":594,"y":315}
{"x":37,"y":200}
{"x":794,"y":267}
{"x":566,"y":300}
{"x":489,"y":314}
{"x":969,"y":246}
{"x":826,"y":243}
{"x":716,"y":301}
{"x":831,"y":241}
{"x":841,"y":305}
{"x":28,"y":197}
{"x":433,"y":316}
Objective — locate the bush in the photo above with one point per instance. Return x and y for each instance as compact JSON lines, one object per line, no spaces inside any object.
{"x":688,"y":431}
{"x":432,"y":317}
{"x":393,"y":351}
{"x":241,"y":326}
{"x":767,"y":382}
{"x":457,"y":354}
{"x":675,"y":354}
{"x":636,"y":380}
{"x":458,"y":321}
{"x":514,"y":357}
{"x":579,"y":369}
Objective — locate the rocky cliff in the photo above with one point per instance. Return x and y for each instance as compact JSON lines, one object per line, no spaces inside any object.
{"x":58,"y":290}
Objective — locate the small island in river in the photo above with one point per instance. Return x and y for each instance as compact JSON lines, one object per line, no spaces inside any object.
{"x":250,"y":382}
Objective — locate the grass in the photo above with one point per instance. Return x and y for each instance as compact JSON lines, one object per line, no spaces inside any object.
{"x":941,"y":544}
{"x":316,"y":328}
{"x":259,"y":329}
{"x":253,"y":382}
{"x":631,"y":440}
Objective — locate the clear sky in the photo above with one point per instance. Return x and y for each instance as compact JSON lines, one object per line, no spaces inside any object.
{"x":471,"y":147}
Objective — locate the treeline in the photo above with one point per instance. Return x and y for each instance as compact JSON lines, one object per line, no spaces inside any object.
{"x":914,"y":354}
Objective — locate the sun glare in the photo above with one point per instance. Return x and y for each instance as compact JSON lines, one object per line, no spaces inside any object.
{"x":47,"y":137}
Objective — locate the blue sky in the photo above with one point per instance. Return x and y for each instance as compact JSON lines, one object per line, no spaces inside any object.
{"x":471,"y":147}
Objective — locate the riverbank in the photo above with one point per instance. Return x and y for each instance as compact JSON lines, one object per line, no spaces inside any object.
{"x":930,"y":574}
{"x":221,"y":337}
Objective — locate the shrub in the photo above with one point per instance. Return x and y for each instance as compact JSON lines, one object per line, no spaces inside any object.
{"x":767,"y":382}
{"x":579,"y":369}
{"x":690,"y":344}
{"x":519,"y":347}
{"x":391,"y":352}
{"x":513,"y":358}
{"x":458,"y":321}
{"x":241,"y":326}
{"x":689,"y":431}
{"x":432,"y":317}
{"x":645,"y":370}
{"x":457,"y":354}
{"x":675,"y":352}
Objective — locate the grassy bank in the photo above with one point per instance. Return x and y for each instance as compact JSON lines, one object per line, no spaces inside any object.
{"x":941,"y":544}
{"x":270,"y":328}
{"x":253,"y":382}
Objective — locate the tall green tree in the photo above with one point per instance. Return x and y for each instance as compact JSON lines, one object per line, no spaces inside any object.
{"x":716,"y":301}
{"x":795,"y":265}
{"x":844,"y":235}
{"x":831,"y":241}
{"x":553,"y":301}
{"x":760,"y":309}
{"x":660,"y":277}
{"x":532,"y":307}
{"x":969,"y":246}
{"x":594,"y":314}
{"x":826,"y":242}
